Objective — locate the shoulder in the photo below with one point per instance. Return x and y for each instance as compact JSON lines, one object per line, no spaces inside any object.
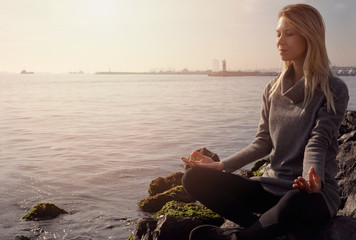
{"x":271,"y":83}
{"x":338,"y":86}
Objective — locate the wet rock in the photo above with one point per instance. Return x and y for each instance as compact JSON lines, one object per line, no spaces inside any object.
{"x":346,"y":178}
{"x":21,"y":237}
{"x":339,"y":228}
{"x":163,"y":228}
{"x":259,"y":167}
{"x":156,"y":202}
{"x":350,"y":136}
{"x":348,"y":124}
{"x":191,"y":210}
{"x":44,"y":211}
{"x":162,"y":184}
{"x":144,"y":229}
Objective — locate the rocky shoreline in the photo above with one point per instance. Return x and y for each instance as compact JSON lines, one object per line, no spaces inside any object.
{"x":176,"y":214}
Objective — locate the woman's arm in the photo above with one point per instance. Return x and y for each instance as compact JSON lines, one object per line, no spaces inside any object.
{"x":262,"y":144}
{"x":326,"y":127}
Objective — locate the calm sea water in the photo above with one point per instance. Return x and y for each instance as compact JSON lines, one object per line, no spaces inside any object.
{"x":92,"y":143}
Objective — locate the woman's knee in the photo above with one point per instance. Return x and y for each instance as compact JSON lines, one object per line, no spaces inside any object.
{"x":194,"y":179}
{"x":299,"y":204}
{"x":189,"y":178}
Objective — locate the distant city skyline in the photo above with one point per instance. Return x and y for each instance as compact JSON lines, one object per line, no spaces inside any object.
{"x":140,"y":35}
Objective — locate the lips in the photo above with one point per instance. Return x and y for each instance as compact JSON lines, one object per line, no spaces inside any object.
{"x":282,"y":51}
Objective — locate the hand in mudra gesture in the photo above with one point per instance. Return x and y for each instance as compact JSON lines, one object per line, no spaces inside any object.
{"x":313,"y":185}
{"x":197,"y":159}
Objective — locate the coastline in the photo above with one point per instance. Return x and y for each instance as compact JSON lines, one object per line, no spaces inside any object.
{"x":209,"y":73}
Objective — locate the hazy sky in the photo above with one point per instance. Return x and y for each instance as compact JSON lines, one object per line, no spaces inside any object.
{"x":142,"y":35}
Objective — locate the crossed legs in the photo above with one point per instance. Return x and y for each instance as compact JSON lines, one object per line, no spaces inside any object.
{"x":238,"y":199}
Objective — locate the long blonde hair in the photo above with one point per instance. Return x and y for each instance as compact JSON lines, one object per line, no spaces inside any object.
{"x":317,"y":72}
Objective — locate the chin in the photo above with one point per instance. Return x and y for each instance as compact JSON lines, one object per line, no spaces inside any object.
{"x":285,"y":59}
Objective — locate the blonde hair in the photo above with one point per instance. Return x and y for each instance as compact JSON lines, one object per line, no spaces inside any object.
{"x":317,"y":72}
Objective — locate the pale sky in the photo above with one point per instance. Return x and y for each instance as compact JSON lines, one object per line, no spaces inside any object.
{"x":141,"y":35}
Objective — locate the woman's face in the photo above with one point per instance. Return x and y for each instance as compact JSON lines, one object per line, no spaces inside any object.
{"x":291,"y":45}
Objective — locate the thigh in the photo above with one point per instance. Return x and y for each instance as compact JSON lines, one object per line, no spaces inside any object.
{"x":297,"y":211}
{"x":248,"y":192}
{"x":297,"y":208}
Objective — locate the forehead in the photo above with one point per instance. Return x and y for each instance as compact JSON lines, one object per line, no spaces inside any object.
{"x":284,"y":25}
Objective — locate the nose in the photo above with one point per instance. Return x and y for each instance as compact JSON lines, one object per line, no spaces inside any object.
{"x":281,"y":40}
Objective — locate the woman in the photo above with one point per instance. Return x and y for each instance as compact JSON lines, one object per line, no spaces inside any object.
{"x":302,"y":110}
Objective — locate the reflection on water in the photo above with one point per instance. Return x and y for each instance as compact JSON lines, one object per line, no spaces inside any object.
{"x":92,"y":143}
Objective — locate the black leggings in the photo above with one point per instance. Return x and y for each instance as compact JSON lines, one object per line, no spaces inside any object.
{"x":238,"y":199}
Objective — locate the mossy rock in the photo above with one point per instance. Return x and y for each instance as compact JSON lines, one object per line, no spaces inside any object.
{"x":156,"y":202}
{"x":44,"y":211}
{"x":258,"y":167}
{"x":160,"y":184}
{"x":190,"y":210}
{"x":21,"y":237}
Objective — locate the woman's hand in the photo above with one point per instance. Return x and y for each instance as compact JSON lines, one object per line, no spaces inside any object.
{"x":313,"y":185}
{"x":197,"y":159}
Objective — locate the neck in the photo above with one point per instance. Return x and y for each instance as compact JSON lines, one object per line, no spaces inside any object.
{"x":298,"y":72}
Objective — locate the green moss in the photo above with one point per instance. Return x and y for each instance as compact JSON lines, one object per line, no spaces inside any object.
{"x":257,"y":169}
{"x":159,"y":185}
{"x":191,"y":210}
{"x":21,"y":237}
{"x":44,"y":211}
{"x":155,"y":203}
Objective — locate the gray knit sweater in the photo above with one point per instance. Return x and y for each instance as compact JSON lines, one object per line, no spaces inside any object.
{"x":296,"y":140}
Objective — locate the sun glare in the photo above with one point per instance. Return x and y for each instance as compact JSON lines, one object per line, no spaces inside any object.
{"x":100,"y":9}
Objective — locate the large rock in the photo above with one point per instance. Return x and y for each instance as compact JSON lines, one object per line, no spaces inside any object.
{"x":162,"y":184}
{"x":190,"y":210}
{"x":156,"y":202}
{"x":348,"y":124}
{"x":175,"y":221}
{"x":165,"y":227}
{"x":346,"y":178}
{"x":44,"y":211}
{"x":339,"y":228}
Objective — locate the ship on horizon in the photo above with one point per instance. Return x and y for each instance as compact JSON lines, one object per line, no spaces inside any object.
{"x":25,"y":72}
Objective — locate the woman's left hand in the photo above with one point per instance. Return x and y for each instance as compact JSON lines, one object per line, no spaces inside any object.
{"x":313,"y":185}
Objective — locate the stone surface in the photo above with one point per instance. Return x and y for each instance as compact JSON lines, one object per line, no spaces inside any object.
{"x":44,"y":211}
{"x":164,"y":228}
{"x":348,"y":124}
{"x":156,"y":202}
{"x":346,"y":178}
{"x":162,"y":184}
{"x":339,"y":228}
{"x":191,"y":210}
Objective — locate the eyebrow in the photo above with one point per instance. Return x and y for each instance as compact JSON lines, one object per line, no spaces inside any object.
{"x":286,"y":30}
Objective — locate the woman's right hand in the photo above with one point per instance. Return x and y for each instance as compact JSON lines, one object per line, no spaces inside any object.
{"x":197,"y":159}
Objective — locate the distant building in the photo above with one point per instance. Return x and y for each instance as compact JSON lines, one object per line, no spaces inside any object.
{"x":224,"y":65}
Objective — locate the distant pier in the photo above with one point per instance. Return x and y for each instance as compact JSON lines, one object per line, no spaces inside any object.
{"x":241,"y":74}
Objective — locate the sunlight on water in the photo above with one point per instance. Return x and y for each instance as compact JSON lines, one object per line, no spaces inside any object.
{"x":93,"y":143}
